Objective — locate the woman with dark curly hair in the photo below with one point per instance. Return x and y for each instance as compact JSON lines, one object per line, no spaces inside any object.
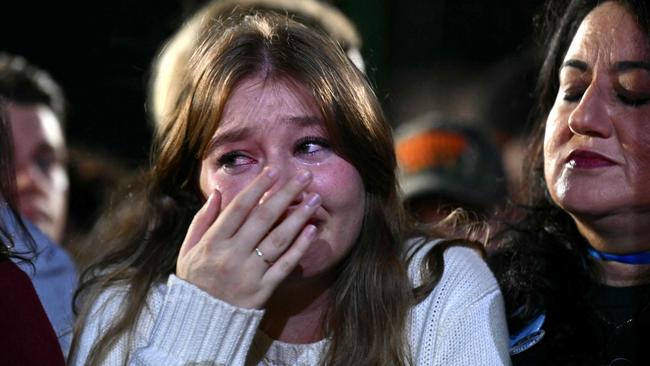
{"x":575,"y":271}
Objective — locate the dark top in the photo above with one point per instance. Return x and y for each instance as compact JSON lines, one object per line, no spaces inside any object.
{"x":621,"y":318}
{"x":26,"y":335}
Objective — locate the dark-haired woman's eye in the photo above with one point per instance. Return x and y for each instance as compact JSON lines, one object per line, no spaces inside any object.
{"x":632,"y":87}
{"x":633,"y":101}
{"x":572,"y":96}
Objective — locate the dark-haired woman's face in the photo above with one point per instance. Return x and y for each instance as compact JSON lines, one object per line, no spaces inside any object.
{"x":597,"y":140}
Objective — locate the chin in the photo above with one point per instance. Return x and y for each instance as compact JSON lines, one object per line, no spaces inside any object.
{"x":319,"y":262}
{"x":585,"y":198}
{"x":302,"y":275}
{"x":310,"y":269}
{"x":584,"y":204}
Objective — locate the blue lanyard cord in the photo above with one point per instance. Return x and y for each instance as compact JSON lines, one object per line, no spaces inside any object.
{"x":633,"y":258}
{"x":529,"y":336}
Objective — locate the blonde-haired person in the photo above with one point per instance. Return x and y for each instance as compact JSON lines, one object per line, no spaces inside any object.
{"x":270,"y":231}
{"x":171,"y":65}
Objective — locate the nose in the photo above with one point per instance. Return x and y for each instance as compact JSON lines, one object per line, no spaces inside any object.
{"x":590,"y":117}
{"x":287,"y":171}
{"x":30,"y":179}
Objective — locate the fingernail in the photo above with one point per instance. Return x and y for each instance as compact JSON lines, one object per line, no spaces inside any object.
{"x":311,"y":231}
{"x":314,"y":200}
{"x":304,"y":176}
{"x":271,"y":172}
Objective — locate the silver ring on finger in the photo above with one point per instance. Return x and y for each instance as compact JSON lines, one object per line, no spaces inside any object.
{"x":260,"y":254}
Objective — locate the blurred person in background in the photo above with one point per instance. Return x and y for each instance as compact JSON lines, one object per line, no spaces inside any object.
{"x":61,"y":188}
{"x":35,"y":109}
{"x":506,"y":107}
{"x":446,"y":164}
{"x":96,"y":179}
{"x":26,"y":336}
{"x":171,"y":65}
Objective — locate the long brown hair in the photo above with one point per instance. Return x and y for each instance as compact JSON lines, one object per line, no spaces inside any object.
{"x":373,"y":294}
{"x":170,"y":66}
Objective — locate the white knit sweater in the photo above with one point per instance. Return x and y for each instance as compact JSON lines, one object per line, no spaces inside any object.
{"x":460,"y":323}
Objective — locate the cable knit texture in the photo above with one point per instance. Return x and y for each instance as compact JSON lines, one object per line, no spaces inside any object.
{"x":460,"y":323}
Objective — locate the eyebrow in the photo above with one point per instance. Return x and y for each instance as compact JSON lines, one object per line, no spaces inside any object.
{"x":226,"y":137}
{"x":631,"y":65}
{"x":621,"y":66}
{"x":581,"y":65}
{"x":237,"y":134}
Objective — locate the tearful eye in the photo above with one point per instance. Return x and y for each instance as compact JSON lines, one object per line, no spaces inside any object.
{"x":234,"y":161}
{"x":311,"y":146}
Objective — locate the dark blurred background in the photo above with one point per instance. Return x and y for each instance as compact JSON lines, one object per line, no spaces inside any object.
{"x":420,"y":54}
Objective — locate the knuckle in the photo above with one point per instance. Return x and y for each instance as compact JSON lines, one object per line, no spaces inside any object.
{"x":277,"y":242}
{"x":237,"y":205}
{"x":222,"y":271}
{"x":207,"y":249}
{"x":224,"y":265}
{"x":285,"y":267}
{"x":265,"y":213}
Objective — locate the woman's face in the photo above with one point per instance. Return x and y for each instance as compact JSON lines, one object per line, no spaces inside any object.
{"x":597,"y":139}
{"x":276,"y":122}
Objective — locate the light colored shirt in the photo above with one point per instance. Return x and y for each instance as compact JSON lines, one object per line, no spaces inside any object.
{"x":461,"y":322}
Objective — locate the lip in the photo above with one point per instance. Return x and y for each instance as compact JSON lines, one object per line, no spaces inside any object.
{"x":33,"y":214}
{"x":585,"y":159}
